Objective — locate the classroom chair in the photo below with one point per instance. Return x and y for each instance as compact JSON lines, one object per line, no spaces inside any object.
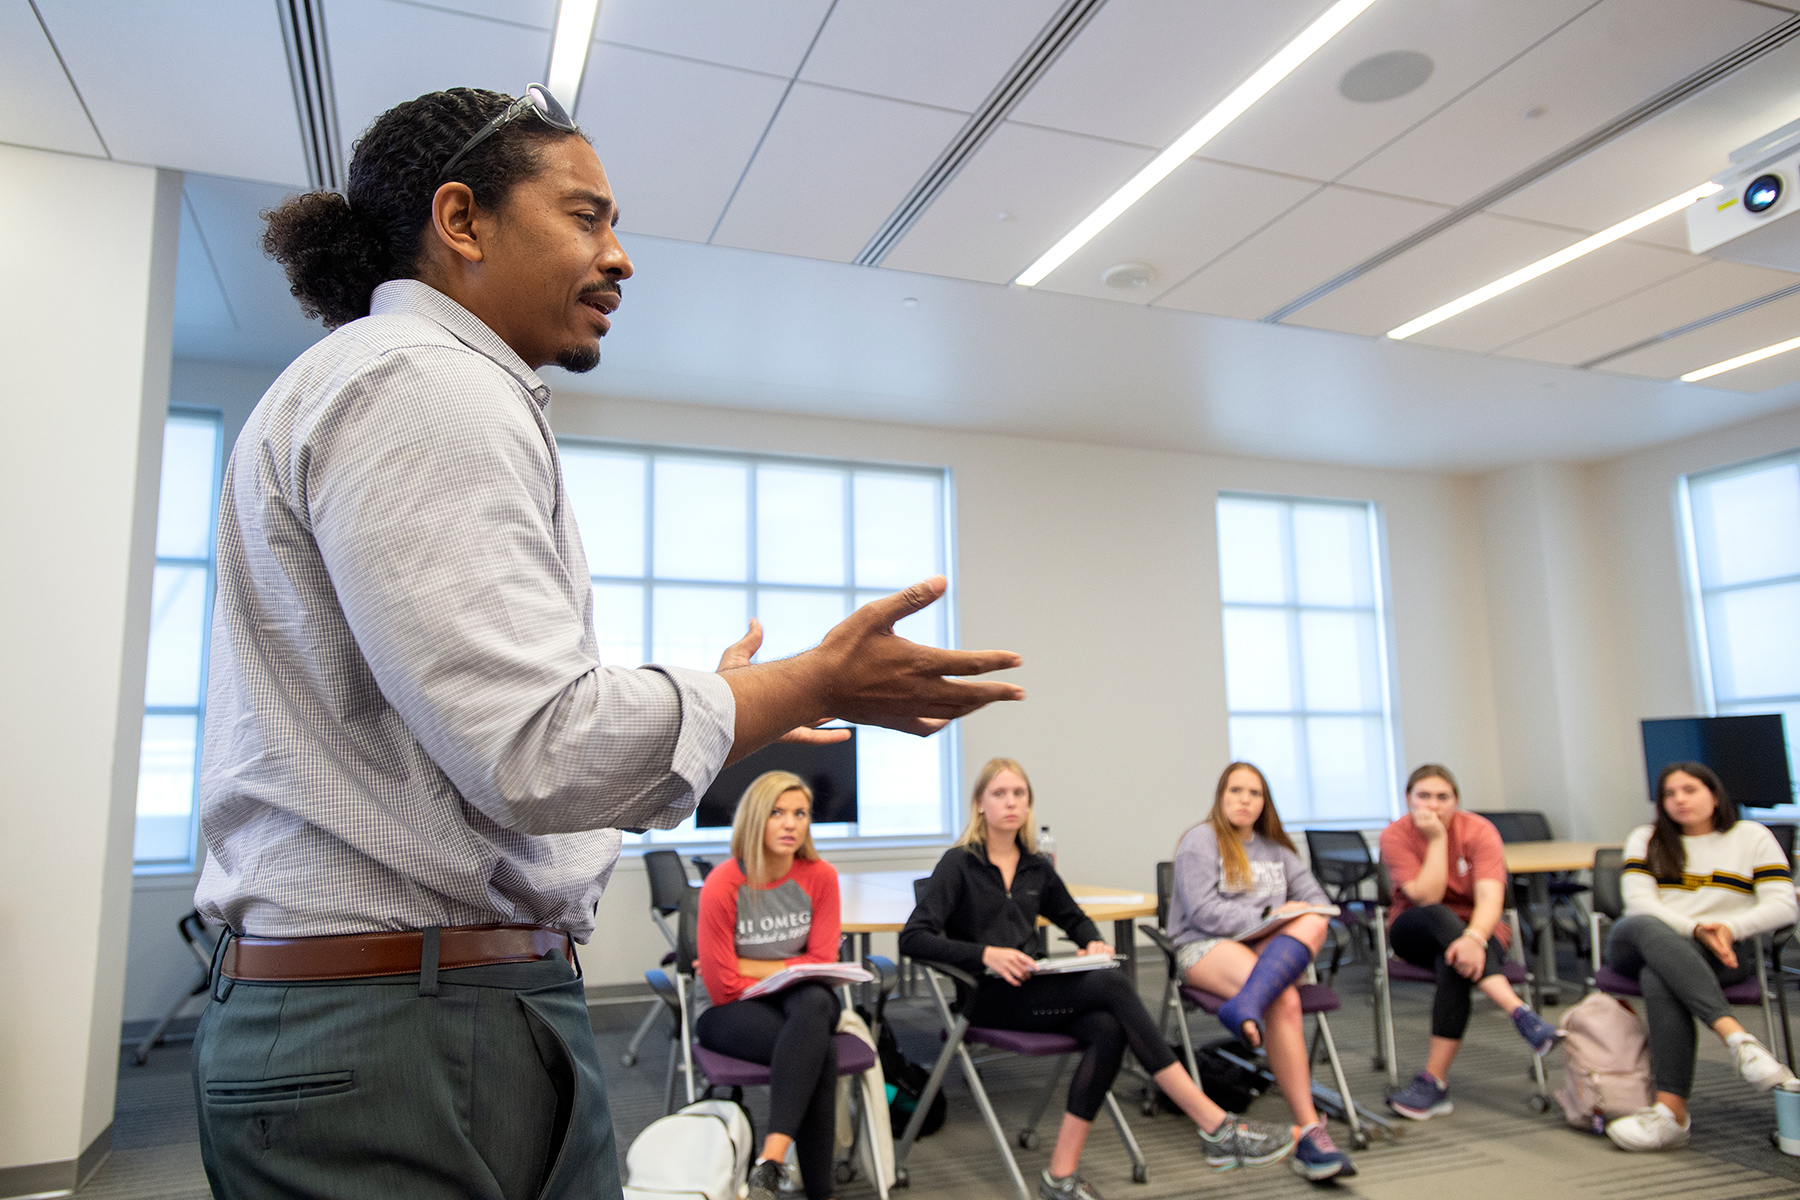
{"x":854,"y":1056}
{"x":1315,"y":1001}
{"x":668,"y":883}
{"x":1390,"y":968}
{"x":1755,"y":992}
{"x":201,"y":944}
{"x":959,"y":1035}
{"x":1341,"y":862}
{"x":1565,"y":892}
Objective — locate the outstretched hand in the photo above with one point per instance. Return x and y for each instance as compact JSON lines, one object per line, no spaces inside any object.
{"x":739,"y":654}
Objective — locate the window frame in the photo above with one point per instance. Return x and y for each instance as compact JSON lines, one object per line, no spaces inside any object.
{"x":950,"y":752}
{"x":1381,"y":609}
{"x":150,"y":869}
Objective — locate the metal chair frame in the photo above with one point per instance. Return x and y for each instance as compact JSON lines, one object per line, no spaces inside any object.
{"x":192,"y":928}
{"x":1385,"y":1053}
{"x":665,"y":872}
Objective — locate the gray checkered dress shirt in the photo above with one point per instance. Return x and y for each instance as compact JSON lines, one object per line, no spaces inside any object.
{"x":407,"y":722}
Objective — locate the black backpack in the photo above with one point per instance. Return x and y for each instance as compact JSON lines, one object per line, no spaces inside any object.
{"x":907,"y":1079}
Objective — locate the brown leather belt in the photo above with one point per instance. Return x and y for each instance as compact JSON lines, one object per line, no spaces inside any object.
{"x":365,"y":955}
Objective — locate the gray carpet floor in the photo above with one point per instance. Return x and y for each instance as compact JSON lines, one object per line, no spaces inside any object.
{"x":1494,"y":1145}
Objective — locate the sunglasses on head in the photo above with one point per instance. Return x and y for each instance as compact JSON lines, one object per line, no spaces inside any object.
{"x":537,"y":98}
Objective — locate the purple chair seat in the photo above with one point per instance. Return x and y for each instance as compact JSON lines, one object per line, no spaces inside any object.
{"x":854,"y":1057}
{"x":1749,"y":992}
{"x":1399,"y":968}
{"x":1026,"y":1045}
{"x":1314,"y":998}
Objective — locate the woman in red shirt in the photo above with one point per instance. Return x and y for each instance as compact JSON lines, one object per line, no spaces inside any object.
{"x":1448,"y":869}
{"x":773,"y":904}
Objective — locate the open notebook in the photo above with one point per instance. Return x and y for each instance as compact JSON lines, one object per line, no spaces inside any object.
{"x":1276,"y":920}
{"x":1072,"y":964}
{"x":837,"y":972}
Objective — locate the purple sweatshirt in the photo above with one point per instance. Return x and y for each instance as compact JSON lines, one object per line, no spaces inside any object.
{"x":1204,"y":907}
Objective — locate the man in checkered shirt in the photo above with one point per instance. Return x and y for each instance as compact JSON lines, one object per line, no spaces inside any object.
{"x":415,"y":765}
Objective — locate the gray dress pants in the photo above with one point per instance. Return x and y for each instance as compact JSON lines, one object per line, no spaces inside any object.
{"x":483,"y":1083}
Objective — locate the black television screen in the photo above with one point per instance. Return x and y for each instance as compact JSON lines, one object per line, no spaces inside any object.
{"x":1749,"y":754}
{"x":830,"y":771}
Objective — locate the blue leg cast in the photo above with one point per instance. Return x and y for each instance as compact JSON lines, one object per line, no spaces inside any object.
{"x":1282,"y":961}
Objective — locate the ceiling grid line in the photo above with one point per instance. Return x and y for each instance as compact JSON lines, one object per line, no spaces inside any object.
{"x":1772,"y":39}
{"x":1699,"y":264}
{"x":211,"y":262}
{"x":1724,"y":314}
{"x":1063,"y":27}
{"x":773,"y":117}
{"x":73,"y":86}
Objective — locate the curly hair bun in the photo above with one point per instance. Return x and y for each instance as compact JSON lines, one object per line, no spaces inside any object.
{"x":333,"y":258}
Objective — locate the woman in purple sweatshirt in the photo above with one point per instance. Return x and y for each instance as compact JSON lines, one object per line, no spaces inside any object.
{"x":1232,"y":870}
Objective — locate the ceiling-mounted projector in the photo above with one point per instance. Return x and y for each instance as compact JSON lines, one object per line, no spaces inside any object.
{"x":1756,"y":218}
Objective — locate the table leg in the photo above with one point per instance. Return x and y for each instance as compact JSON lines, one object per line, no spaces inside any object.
{"x":1538,"y":888}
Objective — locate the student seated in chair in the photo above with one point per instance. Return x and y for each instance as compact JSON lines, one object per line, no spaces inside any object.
{"x":1698,"y":885}
{"x":1231,"y":871}
{"x":1448,"y":869}
{"x":774,"y":903}
{"x":979,"y":913}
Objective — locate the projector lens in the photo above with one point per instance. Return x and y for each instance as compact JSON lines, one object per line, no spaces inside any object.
{"x":1762,"y":193}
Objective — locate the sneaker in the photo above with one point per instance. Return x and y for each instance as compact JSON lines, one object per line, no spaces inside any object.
{"x":1760,"y":1069}
{"x":765,"y":1180}
{"x":1540,"y":1033}
{"x":1316,"y":1159}
{"x":1648,"y":1129}
{"x":1240,"y":1143}
{"x":1422,"y":1099}
{"x":1070,"y":1187}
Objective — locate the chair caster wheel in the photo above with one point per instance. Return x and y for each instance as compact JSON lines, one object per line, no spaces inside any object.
{"x":844,"y":1173}
{"x":901,"y":1178}
{"x":1140,"y":1174}
{"x":1360,"y":1141}
{"x":1147,"y":1106}
{"x":1539,"y":1104}
{"x":628,"y":1058}
{"x":1028,"y":1139}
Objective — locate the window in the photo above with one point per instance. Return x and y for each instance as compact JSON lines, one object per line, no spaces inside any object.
{"x":1743,"y":526}
{"x":1306,"y":654}
{"x":685,"y":546}
{"x":180,"y":621}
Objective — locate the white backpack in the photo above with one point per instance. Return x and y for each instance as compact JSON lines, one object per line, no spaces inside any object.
{"x":1606,"y":1063}
{"x":701,"y":1152}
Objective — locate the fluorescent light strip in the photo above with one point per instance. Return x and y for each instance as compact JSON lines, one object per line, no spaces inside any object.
{"x":569,"y":49}
{"x":1203,"y":131}
{"x":1742,"y":360}
{"x":1562,"y":257}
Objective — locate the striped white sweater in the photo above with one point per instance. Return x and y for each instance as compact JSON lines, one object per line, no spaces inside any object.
{"x":1737,"y":878}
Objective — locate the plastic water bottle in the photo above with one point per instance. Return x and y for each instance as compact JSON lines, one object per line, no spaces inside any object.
{"x":1047,"y":844}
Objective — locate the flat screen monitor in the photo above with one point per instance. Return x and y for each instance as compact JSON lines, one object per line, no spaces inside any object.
{"x":1749,"y":754}
{"x":830,"y":771}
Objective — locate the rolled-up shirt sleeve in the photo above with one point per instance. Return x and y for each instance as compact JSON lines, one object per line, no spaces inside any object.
{"x":436,"y":529}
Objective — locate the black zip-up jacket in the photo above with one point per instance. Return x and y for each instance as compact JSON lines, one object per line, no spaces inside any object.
{"x":967,"y":908}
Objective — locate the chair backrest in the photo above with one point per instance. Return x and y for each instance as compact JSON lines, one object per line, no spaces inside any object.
{"x":1384,"y":886}
{"x":1521,"y":826}
{"x":1784,"y":837}
{"x":1609,"y":863}
{"x":1165,"y":892}
{"x":687,"y":932}
{"x":1340,"y":859}
{"x":668,"y":880}
{"x":920,"y":886}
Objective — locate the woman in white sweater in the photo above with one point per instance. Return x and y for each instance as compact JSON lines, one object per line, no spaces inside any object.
{"x":1699,"y":885}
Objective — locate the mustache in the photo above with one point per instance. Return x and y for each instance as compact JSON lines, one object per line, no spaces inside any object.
{"x":605,"y":287}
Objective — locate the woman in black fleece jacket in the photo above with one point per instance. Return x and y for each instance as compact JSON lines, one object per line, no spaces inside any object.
{"x":980,"y":913}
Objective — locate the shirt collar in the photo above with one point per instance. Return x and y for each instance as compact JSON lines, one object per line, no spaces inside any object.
{"x":412,"y":296}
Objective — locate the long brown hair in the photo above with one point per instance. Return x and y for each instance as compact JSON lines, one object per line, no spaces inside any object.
{"x":975,"y":832}
{"x":1234,"y":863}
{"x":1666,"y":857}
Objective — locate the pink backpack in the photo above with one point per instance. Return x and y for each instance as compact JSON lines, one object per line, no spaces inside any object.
{"x":1606,"y":1062}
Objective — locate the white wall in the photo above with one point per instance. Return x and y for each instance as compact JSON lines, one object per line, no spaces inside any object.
{"x":84,"y":368}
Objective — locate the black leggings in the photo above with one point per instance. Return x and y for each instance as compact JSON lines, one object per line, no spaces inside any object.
{"x":1099,"y":1009}
{"x":789,"y":1032}
{"x":1420,"y":936}
{"x":1681,"y":980}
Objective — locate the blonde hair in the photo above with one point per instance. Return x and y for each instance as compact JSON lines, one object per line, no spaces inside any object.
{"x":975,"y":832}
{"x":752,"y":817}
{"x":1233,"y":862}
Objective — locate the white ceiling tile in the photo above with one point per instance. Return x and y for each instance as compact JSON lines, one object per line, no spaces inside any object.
{"x":1774,"y":322}
{"x":1195,"y":215}
{"x":1772,"y":372}
{"x":1145,"y":70}
{"x":37,"y":105}
{"x":384,"y":52}
{"x":200,"y":302}
{"x":758,"y":35}
{"x":945,"y":52}
{"x":1711,"y":287}
{"x":674,"y":135}
{"x":538,"y":14}
{"x":1459,"y":260}
{"x":200,"y":86}
{"x":1306,"y":126}
{"x":1616,"y":55}
{"x":1587,"y":283}
{"x":1022,"y":191}
{"x":1333,"y":230}
{"x":268,"y":317}
{"x":833,"y":168}
{"x":1665,"y":157}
